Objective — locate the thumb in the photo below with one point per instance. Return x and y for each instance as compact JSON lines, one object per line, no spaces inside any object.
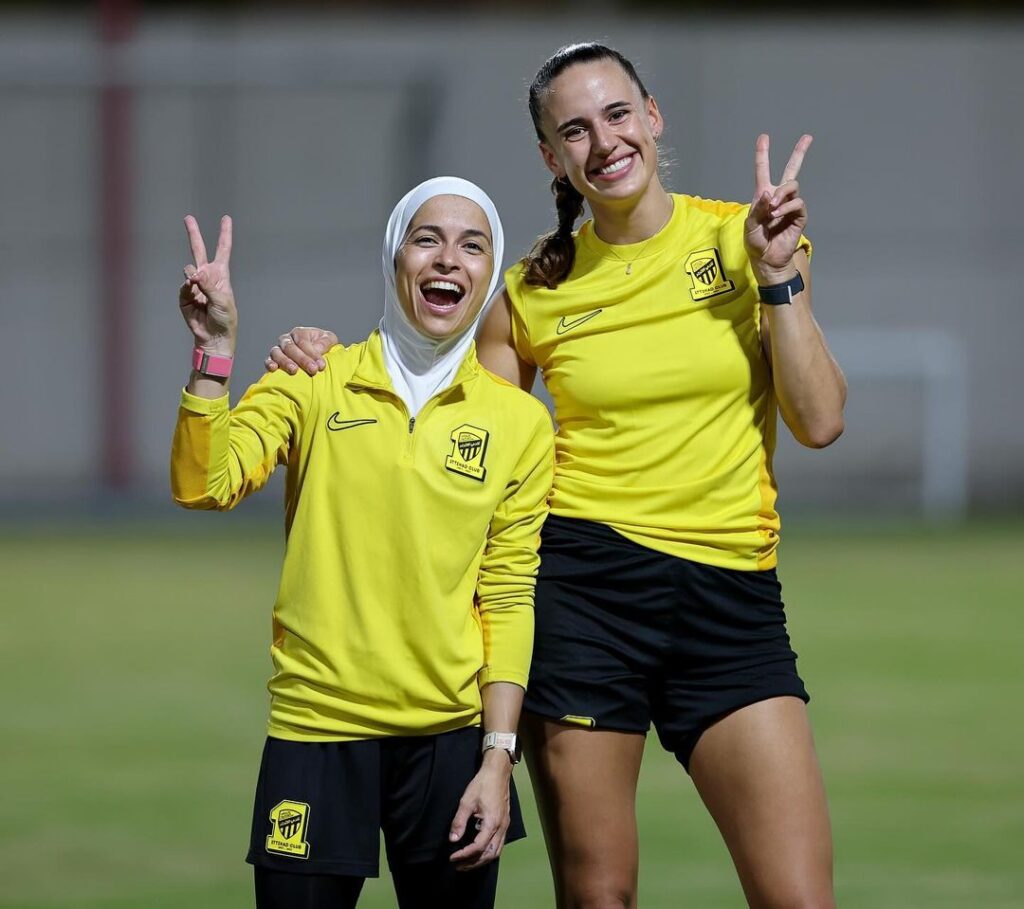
{"x":200,"y":277}
{"x":459,"y":822}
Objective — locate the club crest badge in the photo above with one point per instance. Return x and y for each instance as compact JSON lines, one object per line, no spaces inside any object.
{"x":469,"y":448}
{"x":288,"y":829}
{"x":707,"y":277}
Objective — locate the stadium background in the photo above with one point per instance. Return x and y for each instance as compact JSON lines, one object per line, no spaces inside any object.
{"x":135,"y":699}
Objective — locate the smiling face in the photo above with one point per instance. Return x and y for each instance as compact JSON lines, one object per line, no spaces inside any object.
{"x":444,"y":265}
{"x":601,"y":133}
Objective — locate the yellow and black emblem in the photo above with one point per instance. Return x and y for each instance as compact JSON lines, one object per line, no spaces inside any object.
{"x":707,"y":277}
{"x":288,"y":829}
{"x":469,"y":448}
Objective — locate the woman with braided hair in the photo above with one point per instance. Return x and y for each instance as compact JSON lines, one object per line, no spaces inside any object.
{"x":669,"y":330}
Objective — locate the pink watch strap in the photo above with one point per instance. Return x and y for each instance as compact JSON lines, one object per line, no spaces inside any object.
{"x":210,"y":364}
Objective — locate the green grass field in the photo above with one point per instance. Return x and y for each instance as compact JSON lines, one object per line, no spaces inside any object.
{"x":134,"y":716}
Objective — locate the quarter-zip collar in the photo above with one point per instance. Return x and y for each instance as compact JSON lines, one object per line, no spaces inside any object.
{"x":371,"y":371}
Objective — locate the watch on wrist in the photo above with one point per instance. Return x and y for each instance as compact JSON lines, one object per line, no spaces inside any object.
{"x":211,"y":364}
{"x":777,"y":294}
{"x":502,"y":741}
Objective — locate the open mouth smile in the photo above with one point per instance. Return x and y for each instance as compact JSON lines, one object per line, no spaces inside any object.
{"x":441,"y":297}
{"x":616,"y":170}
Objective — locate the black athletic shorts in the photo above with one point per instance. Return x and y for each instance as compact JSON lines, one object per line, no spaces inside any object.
{"x":320,"y":806}
{"x":626,"y":636}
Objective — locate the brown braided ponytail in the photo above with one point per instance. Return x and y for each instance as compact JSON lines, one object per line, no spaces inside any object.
{"x":551,"y":259}
{"x":552,"y":256}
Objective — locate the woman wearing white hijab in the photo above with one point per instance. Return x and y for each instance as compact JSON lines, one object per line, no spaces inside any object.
{"x":403,"y":622}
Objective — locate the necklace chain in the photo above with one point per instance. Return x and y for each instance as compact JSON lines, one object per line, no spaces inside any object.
{"x":629,"y":262}
{"x":640,"y":251}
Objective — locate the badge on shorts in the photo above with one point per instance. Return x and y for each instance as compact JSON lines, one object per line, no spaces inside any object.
{"x":288,"y":829}
{"x":469,"y":448}
{"x":707,"y":277}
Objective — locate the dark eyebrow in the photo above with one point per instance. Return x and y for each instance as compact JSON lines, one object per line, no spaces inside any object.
{"x":581,"y":121}
{"x":468,"y":232}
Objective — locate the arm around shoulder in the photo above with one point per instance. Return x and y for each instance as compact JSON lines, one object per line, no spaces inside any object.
{"x":495,"y":345}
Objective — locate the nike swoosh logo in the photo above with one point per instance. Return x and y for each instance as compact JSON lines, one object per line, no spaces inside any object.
{"x":564,"y":326}
{"x":334,"y":424}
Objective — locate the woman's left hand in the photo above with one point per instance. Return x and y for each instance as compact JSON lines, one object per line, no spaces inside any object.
{"x":487,"y":800}
{"x":777,"y":214}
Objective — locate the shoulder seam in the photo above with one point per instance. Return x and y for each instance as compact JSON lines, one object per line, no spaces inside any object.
{"x":722,"y":207}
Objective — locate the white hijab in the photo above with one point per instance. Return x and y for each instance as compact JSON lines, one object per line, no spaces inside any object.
{"x":419,"y":366}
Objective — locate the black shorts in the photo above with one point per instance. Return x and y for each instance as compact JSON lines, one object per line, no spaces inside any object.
{"x":320,"y":806}
{"x":626,"y":636}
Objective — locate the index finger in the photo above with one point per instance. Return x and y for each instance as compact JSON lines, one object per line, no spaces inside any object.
{"x":796,"y":159}
{"x":762,"y":169}
{"x":195,"y":240}
{"x":223,"y":253}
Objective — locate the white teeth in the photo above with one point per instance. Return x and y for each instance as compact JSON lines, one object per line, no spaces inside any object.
{"x":442,"y":285}
{"x":618,"y":165}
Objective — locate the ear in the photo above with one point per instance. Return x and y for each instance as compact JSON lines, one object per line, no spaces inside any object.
{"x":654,"y":118}
{"x":550,"y":160}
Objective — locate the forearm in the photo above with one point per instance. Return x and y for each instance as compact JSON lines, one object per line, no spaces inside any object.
{"x":502,"y":703}
{"x":219,"y":456}
{"x":201,"y":456}
{"x":808,"y":383}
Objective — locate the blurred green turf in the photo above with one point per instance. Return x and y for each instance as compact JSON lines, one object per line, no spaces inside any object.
{"x":135,"y":708}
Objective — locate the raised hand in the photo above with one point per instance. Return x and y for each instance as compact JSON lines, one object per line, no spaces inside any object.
{"x":206,"y":299}
{"x":777,"y":214}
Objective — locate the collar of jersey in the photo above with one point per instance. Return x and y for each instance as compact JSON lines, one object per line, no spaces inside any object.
{"x":593,"y":245}
{"x":371,"y":372}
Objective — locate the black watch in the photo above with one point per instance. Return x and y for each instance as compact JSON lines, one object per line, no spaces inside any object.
{"x":776,"y":294}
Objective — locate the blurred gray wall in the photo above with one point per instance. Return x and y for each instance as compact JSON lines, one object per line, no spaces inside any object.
{"x":308,"y":130}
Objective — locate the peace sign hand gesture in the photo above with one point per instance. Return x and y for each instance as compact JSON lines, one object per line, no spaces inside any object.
{"x":777,"y":214}
{"x":206,"y":299}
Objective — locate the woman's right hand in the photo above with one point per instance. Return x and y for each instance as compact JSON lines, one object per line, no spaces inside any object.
{"x":206,"y":298}
{"x":306,"y":347}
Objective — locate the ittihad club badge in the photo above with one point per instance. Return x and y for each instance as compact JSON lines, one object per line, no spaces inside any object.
{"x":288,"y":822}
{"x":469,"y":448}
{"x":707,"y":277}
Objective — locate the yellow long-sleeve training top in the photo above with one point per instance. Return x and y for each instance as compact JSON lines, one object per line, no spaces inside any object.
{"x":411,"y":550}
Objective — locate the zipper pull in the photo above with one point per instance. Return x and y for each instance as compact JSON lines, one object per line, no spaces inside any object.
{"x":412,"y":424}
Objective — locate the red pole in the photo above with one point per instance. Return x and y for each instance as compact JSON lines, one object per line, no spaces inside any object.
{"x":117,"y":371}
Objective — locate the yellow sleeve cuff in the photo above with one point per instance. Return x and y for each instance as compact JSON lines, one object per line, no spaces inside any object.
{"x":491,"y":674}
{"x":204,"y":406}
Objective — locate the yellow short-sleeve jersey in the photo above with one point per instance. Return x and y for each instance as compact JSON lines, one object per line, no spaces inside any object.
{"x":663,"y":397}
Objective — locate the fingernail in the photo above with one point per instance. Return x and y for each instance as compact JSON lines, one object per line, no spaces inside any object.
{"x":321,"y":364}
{"x":292,"y":370}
